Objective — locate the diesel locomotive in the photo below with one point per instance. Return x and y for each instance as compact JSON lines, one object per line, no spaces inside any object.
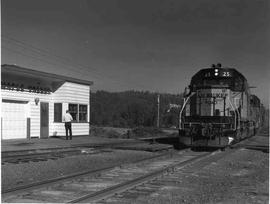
{"x":218,"y":109}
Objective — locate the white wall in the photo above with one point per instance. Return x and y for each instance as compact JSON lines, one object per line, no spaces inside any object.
{"x":33,"y":110}
{"x":71,"y":93}
{"x":67,"y":93}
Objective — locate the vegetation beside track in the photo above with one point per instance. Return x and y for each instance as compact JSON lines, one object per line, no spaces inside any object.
{"x":131,"y":133}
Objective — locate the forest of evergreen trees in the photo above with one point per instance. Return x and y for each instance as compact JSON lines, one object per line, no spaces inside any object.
{"x":133,"y":109}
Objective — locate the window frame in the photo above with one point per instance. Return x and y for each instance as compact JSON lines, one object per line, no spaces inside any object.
{"x":83,"y":112}
{"x":77,"y":120}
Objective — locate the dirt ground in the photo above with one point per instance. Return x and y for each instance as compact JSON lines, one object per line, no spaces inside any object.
{"x":242,"y":177}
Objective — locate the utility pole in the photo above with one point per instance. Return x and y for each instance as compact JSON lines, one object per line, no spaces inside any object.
{"x":158,"y":111}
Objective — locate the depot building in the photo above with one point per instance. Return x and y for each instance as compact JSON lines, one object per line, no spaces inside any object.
{"x":34,"y":102}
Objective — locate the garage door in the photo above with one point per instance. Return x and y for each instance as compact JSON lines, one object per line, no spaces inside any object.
{"x":14,"y":122}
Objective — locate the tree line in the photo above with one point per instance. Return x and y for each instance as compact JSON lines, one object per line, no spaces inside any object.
{"x":133,"y":109}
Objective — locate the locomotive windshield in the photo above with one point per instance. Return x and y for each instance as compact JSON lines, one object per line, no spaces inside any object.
{"x":219,"y":82}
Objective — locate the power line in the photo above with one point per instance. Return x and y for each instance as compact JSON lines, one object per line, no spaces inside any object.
{"x":46,"y":53}
{"x":40,"y":53}
{"x":41,"y":59}
{"x":33,"y":57}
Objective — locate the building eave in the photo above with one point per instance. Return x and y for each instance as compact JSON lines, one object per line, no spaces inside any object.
{"x":17,"y":69}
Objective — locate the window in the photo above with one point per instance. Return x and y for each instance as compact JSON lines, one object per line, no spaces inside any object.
{"x":238,"y":84}
{"x":58,"y":112}
{"x":219,"y":81}
{"x":78,"y":112}
{"x":73,"y":110}
{"x":83,"y":113}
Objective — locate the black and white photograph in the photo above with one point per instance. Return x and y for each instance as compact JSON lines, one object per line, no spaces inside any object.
{"x":135,"y":101}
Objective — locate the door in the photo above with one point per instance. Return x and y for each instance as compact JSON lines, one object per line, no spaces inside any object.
{"x":44,"y":120}
{"x":14,"y":119}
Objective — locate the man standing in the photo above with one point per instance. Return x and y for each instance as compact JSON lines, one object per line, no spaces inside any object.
{"x":67,"y":119}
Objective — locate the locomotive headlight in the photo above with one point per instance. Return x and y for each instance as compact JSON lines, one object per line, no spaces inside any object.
{"x":216,"y":72}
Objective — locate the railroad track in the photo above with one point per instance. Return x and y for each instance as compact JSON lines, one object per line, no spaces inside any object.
{"x":24,"y":156}
{"x":94,"y":186}
{"x":263,"y":148}
{"x":254,"y":143}
{"x":45,"y":155}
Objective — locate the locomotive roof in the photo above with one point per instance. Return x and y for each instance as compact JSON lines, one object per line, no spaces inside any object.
{"x":201,"y":74}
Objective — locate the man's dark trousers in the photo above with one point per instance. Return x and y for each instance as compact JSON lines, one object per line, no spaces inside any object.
{"x":68,"y":128}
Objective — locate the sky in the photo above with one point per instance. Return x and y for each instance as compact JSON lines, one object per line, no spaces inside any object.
{"x":154,"y":45}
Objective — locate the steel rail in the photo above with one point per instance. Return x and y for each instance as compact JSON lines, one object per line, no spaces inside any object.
{"x":75,"y":175}
{"x":46,"y":155}
{"x":7,"y":154}
{"x":9,"y":158}
{"x":12,"y":153}
{"x":19,"y":155}
{"x":30,"y":155}
{"x":264,"y":148}
{"x":105,"y":193}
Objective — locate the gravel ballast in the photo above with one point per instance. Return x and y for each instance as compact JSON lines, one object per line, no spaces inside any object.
{"x":24,"y":173}
{"x":242,"y":177}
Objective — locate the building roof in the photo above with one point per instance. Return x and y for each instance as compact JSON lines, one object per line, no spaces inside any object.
{"x":25,"y":72}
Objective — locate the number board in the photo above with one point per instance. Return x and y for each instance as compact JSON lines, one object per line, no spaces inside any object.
{"x":207,"y":74}
{"x":217,"y":73}
{"x":226,"y":74}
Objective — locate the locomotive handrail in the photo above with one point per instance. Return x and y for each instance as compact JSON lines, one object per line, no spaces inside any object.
{"x":239,"y":119}
{"x":200,"y":123}
{"x":235,"y":128}
{"x":239,"y":116}
{"x":184,"y":105}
